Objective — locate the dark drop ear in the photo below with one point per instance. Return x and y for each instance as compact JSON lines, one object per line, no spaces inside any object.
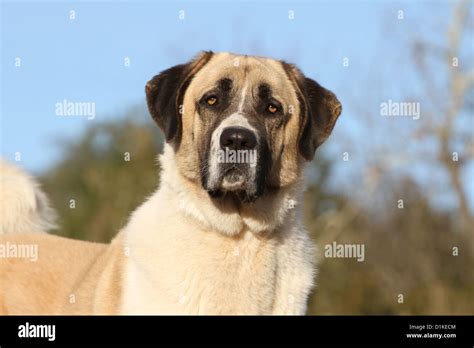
{"x":161,"y":95}
{"x":322,"y":110}
{"x":165,"y":94}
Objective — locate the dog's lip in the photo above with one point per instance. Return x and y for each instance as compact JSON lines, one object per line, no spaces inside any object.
{"x":232,"y":190}
{"x":232,"y":186}
{"x":233,"y":179}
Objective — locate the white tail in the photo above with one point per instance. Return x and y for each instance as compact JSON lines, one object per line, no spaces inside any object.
{"x":24,"y":208}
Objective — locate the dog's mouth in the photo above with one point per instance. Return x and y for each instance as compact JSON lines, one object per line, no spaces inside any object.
{"x":234,"y":179}
{"x":235,"y":182}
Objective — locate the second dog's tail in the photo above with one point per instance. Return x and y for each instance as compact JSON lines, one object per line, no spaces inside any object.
{"x":24,"y":208}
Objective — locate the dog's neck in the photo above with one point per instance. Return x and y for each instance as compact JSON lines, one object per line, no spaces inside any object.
{"x":267,"y":214}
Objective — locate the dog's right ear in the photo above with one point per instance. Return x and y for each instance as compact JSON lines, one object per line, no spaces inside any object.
{"x":165,"y":94}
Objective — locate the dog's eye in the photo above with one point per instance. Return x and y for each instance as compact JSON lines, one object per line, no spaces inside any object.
{"x":212,"y":100}
{"x":271,"y":108}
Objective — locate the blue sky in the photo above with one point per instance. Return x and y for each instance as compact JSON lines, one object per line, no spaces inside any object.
{"x":83,"y":59}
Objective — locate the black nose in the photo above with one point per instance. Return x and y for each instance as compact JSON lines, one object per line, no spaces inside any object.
{"x":238,"y":138}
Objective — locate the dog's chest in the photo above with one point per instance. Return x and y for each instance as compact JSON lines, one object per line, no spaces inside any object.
{"x":203,"y":273}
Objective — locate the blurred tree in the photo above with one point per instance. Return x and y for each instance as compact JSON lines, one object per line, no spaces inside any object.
{"x":423,"y":252}
{"x":104,"y":176}
{"x":448,"y":101}
{"x":409,"y":251}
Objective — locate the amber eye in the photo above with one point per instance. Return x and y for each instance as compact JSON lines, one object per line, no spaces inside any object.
{"x":211,"y":100}
{"x":272,"y":108}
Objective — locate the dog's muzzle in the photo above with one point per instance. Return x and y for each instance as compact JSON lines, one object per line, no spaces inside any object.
{"x":238,"y":151}
{"x":233,"y":161}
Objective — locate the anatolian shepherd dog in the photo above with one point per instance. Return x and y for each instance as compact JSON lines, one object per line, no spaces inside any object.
{"x":222,"y":234}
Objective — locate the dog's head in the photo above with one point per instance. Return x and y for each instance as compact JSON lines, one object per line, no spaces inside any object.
{"x":241,"y":126}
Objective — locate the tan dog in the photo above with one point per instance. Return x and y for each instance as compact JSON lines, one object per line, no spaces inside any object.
{"x":222,"y":234}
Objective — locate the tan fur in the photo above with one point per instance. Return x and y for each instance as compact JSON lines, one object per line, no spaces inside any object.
{"x":181,"y":251}
{"x":69,"y":277}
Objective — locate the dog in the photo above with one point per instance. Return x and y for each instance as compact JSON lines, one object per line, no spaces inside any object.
{"x":220,"y":236}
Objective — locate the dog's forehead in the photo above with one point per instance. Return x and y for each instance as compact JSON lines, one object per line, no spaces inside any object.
{"x":241,"y":70}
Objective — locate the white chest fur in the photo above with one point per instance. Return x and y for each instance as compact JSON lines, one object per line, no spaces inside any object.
{"x":203,"y":273}
{"x":188,"y":257}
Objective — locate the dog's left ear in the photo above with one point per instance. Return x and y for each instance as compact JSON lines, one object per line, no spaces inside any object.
{"x":165,"y":94}
{"x":320,"y":109}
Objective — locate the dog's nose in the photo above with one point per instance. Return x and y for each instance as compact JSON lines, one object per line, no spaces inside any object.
{"x":238,"y":138}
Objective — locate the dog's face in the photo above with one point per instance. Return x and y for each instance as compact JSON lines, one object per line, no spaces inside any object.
{"x":241,"y":126}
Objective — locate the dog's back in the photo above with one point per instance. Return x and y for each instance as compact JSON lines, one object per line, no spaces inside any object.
{"x":45,"y":274}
